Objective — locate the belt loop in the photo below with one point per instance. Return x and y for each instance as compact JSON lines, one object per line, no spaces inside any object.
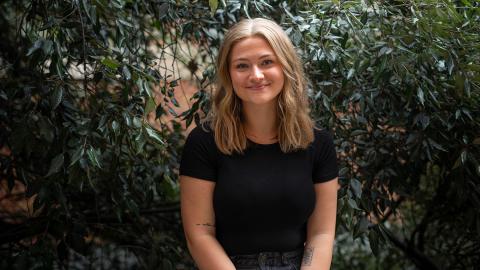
{"x":262,"y":259}
{"x":284,"y":259}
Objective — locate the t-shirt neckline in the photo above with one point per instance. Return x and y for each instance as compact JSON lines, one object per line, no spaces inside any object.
{"x":262,"y":144}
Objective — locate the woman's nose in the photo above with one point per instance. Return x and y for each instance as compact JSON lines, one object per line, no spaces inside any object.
{"x":257,"y":73}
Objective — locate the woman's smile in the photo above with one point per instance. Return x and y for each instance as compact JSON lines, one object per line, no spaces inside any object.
{"x":258,"y":87}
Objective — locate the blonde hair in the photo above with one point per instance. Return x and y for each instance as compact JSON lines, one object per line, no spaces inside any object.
{"x":295,"y":130}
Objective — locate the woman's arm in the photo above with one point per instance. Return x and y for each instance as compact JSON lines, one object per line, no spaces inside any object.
{"x":198,"y":217}
{"x":321,"y":228}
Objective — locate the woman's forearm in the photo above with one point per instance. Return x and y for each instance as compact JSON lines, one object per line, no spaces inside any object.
{"x":318,"y":252}
{"x":208,"y":254}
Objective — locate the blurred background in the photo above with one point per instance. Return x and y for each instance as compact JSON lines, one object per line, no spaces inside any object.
{"x":97,"y":96}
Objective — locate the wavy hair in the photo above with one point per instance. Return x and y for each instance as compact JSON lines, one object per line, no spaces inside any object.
{"x":295,"y":129}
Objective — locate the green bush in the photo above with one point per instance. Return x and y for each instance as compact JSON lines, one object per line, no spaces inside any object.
{"x":397,"y":81}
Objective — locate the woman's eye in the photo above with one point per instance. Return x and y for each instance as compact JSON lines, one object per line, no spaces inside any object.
{"x":240,"y":66}
{"x":267,"y":62}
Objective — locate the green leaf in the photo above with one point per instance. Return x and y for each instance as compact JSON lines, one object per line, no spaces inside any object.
{"x":436,"y":145}
{"x":153,"y":134}
{"x":127,"y":119}
{"x":139,"y":142}
{"x":172,"y":112}
{"x":150,"y":106}
{"x":325,"y":83}
{"x":385,"y":51}
{"x":451,"y":65}
{"x":213,"y":6}
{"x":47,"y":47}
{"x":356,"y":187}
{"x":143,"y":87}
{"x":115,"y":127}
{"x":361,"y":227}
{"x":173,"y":84}
{"x":175,"y":102}
{"x":37,"y":45}
{"x":463,"y":156}
{"x":55,"y":165}
{"x":110,"y":63}
{"x":3,"y":95}
{"x":75,"y":156}
{"x":127,"y":24}
{"x":364,"y":18}
{"x":126,"y":73}
{"x":163,"y":10}
{"x":467,"y":87}
{"x":420,"y":95}
{"x":358,"y":132}
{"x":189,"y":119}
{"x":353,"y":204}
{"x":350,"y":73}
{"x":56,"y":97}
{"x":93,"y":156}
{"x":137,"y":123}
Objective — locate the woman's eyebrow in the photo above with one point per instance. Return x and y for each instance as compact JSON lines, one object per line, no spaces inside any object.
{"x":245,"y":59}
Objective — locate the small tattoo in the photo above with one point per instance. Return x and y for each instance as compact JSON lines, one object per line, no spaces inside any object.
{"x":205,"y":224}
{"x":307,"y":256}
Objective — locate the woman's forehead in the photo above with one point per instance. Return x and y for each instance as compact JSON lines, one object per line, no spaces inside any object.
{"x":251,"y":48}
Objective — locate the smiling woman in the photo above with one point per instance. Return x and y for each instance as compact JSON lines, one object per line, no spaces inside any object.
{"x":258,"y":54}
{"x":258,"y":182}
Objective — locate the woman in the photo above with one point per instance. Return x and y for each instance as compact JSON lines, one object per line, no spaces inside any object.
{"x":258,"y":182}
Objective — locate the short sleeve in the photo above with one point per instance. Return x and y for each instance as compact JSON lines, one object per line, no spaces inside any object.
{"x":199,"y":156}
{"x":325,"y":165}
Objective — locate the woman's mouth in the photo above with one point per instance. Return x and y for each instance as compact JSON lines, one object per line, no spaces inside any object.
{"x":258,"y":87}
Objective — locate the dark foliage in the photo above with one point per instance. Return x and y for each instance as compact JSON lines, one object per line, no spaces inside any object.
{"x":397,"y":81}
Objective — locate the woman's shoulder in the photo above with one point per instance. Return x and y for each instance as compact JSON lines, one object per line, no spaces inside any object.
{"x":199,"y":156}
{"x":322,"y":136}
{"x":202,"y":130}
{"x":201,"y":134}
{"x":321,"y":132}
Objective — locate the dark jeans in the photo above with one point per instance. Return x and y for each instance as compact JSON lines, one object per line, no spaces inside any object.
{"x":290,"y":260}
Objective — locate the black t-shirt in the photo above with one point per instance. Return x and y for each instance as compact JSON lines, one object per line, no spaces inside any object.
{"x":263,"y":197}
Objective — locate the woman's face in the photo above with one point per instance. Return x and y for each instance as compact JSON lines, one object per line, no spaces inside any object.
{"x":256,"y":73}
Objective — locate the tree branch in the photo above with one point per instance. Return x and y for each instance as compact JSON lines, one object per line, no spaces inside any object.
{"x":419,"y":259}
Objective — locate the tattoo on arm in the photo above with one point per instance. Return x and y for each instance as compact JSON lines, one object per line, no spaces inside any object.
{"x":308,"y":256}
{"x":205,"y":224}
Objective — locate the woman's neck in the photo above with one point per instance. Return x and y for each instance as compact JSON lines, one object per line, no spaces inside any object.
{"x":260,"y":122}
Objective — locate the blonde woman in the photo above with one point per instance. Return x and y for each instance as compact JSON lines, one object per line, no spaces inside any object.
{"x":258,"y":182}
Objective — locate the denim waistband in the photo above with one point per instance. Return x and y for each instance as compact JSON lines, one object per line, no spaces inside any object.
{"x":272,"y":258}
